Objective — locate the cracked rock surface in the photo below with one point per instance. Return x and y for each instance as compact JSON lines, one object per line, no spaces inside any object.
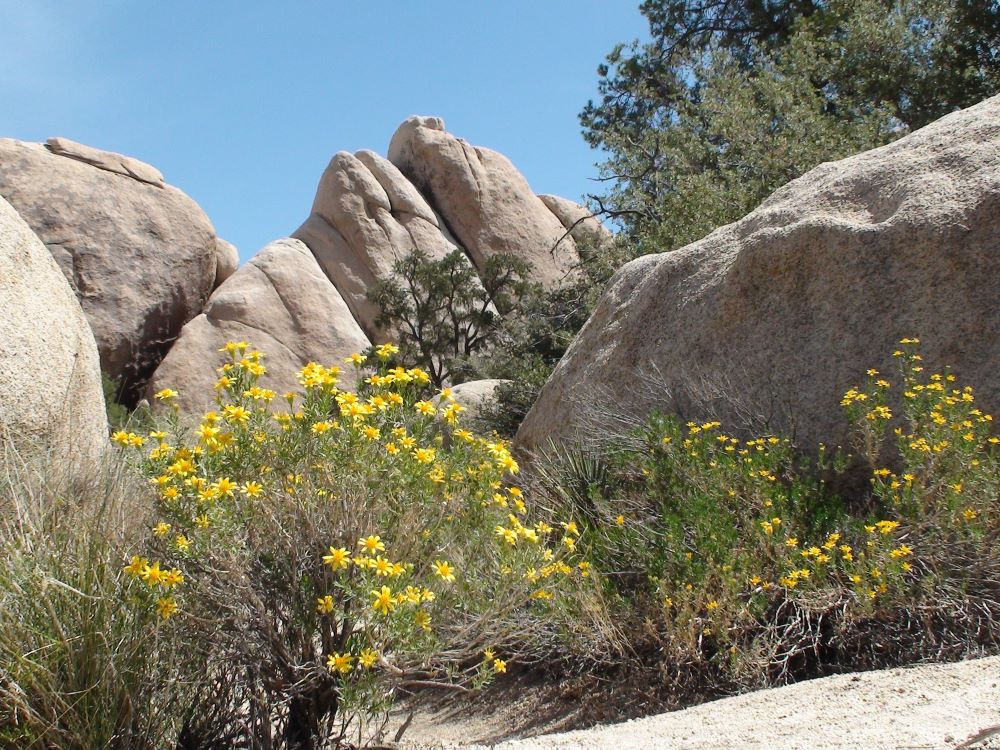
{"x":485,"y":201}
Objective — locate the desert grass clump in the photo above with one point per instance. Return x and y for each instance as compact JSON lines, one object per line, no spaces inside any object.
{"x":736,"y":567}
{"x":323,"y":550}
{"x":77,"y":669}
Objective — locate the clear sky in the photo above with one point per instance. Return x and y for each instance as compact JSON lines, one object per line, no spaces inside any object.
{"x":241,"y":103}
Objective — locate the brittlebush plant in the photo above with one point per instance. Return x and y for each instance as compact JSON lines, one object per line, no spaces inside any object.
{"x":324,"y":549}
{"x":740,"y":568}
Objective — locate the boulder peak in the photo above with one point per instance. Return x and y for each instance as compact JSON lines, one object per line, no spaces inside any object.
{"x":106,"y":160}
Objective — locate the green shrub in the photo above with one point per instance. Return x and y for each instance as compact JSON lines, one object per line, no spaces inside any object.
{"x":445,"y":314}
{"x":325,"y":549}
{"x":739,"y":568}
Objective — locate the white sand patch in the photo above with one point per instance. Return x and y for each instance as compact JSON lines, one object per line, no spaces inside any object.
{"x":928,"y":706}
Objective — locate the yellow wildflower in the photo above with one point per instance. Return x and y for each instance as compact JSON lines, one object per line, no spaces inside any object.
{"x":422,"y":619}
{"x":166,"y":606}
{"x":338,"y":558}
{"x":252,"y":489}
{"x":372,"y":544}
{"x":382,"y":567}
{"x":444,"y":570}
{"x":339,"y":662}
{"x":136,"y":566}
{"x":384,"y":602}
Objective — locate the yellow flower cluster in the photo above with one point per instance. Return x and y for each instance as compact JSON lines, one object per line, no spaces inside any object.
{"x":121,"y":437}
{"x":156,"y":577}
{"x":324,"y":445}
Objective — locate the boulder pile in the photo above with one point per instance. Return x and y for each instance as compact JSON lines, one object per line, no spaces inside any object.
{"x":305,"y":298}
{"x":162,"y":292}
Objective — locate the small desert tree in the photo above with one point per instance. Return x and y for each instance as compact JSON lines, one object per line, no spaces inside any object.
{"x":443,"y":313}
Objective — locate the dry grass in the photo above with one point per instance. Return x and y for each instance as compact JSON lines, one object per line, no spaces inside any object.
{"x":77,"y":670}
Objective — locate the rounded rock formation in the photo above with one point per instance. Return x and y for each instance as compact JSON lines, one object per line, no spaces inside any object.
{"x":582,"y":225}
{"x":51,"y":399}
{"x":365,"y":217}
{"x":140,"y":255}
{"x":485,"y":201}
{"x":227,"y":260}
{"x":282,"y":304}
{"x":472,"y":395}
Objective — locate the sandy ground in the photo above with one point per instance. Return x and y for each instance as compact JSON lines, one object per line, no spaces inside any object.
{"x":931,"y":706}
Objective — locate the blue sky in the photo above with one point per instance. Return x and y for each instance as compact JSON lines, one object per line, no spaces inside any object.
{"x":242,"y":103}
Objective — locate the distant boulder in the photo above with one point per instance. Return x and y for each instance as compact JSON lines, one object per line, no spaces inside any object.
{"x":583,"y":226}
{"x":765,"y":323}
{"x":51,"y":400}
{"x":281,"y":303}
{"x":473,"y":395}
{"x":365,"y":217}
{"x":485,"y":201}
{"x":227,"y":260}
{"x":139,"y":254}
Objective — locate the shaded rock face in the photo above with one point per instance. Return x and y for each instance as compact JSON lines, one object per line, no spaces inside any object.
{"x":766,"y":322}
{"x":283,"y":304}
{"x":583,"y":226}
{"x":487,"y":204}
{"x":140,"y":255}
{"x":51,"y":400}
{"x":227,"y":260}
{"x":365,"y":217}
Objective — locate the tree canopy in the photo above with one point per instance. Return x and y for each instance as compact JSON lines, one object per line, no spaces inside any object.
{"x":730,"y":99}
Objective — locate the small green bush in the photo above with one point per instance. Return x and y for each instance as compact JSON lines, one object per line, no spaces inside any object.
{"x":445,"y":314}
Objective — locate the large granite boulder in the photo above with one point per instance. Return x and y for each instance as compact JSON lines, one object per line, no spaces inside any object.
{"x":487,"y":204}
{"x":140,"y":254}
{"x":582,"y":225}
{"x":283,"y":304}
{"x":766,"y":322}
{"x":365,"y":217}
{"x":51,"y":400}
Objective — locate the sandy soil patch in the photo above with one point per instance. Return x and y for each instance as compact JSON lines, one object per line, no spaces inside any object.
{"x":928,"y":706}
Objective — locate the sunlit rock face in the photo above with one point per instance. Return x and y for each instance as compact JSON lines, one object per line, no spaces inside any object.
{"x":766,"y":322}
